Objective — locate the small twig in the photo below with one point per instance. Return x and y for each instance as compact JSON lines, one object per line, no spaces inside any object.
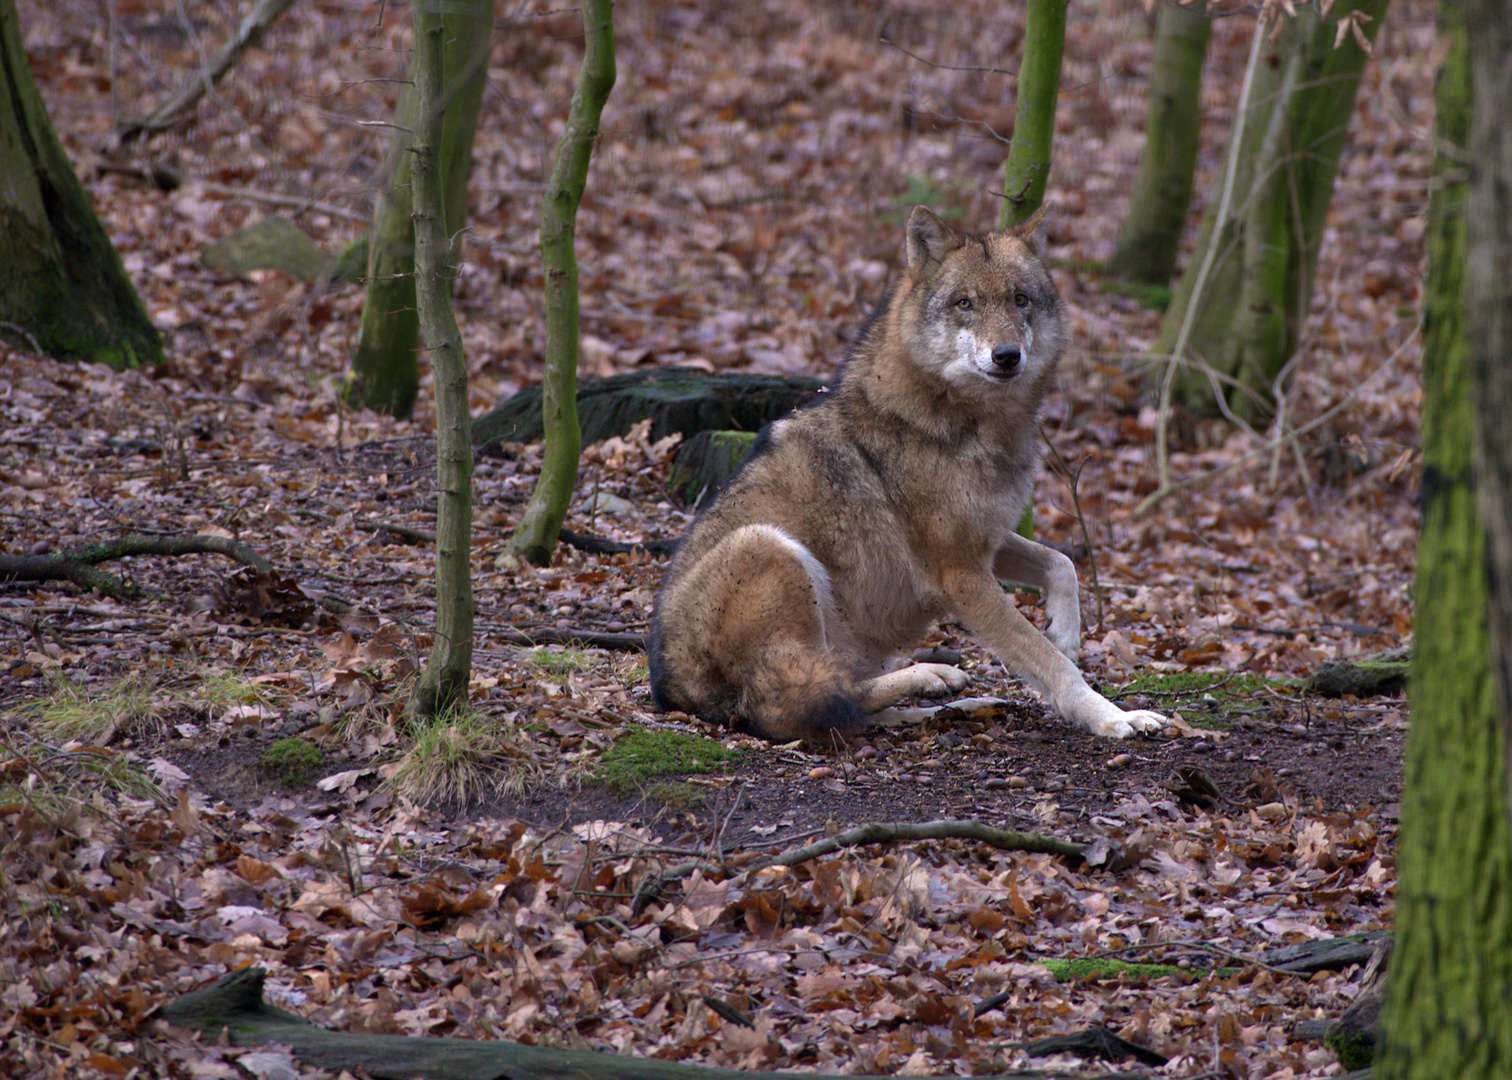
{"x":24,"y":332}
{"x":1072,"y":481}
{"x":406,"y":531}
{"x":552,"y":635}
{"x":873,"y":832}
{"x":273,"y":198}
{"x":1198,"y":946}
{"x":948,"y":67}
{"x":168,"y":178}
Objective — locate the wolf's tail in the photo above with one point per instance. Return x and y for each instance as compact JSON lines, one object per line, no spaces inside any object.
{"x":795,"y":692}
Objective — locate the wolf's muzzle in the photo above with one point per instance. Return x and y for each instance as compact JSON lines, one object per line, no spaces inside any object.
{"x":1006,"y":359}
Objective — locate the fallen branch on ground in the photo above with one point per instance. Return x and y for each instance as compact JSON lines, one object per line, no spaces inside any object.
{"x":892,"y":832}
{"x":872,"y":832}
{"x":248,"y":33}
{"x":78,"y":564}
{"x":598,"y":545}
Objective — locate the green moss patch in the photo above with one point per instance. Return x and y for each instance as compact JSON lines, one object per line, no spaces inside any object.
{"x":643,"y":755}
{"x":292,"y":760}
{"x":1195,"y":693}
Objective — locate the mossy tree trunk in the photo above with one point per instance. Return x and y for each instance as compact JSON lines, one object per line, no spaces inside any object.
{"x":385,"y":372}
{"x":1490,"y":329}
{"x":1236,"y":319}
{"x":1150,"y":238}
{"x":1449,"y":993}
{"x":63,"y":289}
{"x":536,"y":537}
{"x":444,"y":681}
{"x":1028,"y":165}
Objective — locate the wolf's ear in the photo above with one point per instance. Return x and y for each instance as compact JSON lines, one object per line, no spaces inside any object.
{"x":1035,"y":231}
{"x":929,"y":239}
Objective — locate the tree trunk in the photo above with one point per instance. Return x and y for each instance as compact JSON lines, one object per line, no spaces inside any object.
{"x":1490,"y":326}
{"x":385,"y":373}
{"x":1449,"y":994}
{"x":1150,"y":239}
{"x":444,"y":681}
{"x":63,"y":289}
{"x":1028,"y":165}
{"x":1237,"y":316}
{"x":536,"y":537}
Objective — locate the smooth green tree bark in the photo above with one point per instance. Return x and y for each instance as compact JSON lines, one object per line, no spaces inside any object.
{"x":444,"y":682}
{"x":1449,"y":992}
{"x":1028,"y":165}
{"x":1149,"y":240}
{"x":1236,"y":318}
{"x":536,"y":537}
{"x":385,"y":373}
{"x":63,"y":289}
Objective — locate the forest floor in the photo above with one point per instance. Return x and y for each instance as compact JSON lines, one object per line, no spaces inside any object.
{"x":743,"y":212}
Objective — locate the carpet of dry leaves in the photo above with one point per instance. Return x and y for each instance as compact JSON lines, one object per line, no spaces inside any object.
{"x":743,"y":211}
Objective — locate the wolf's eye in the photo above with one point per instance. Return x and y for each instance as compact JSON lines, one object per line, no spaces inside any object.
{"x":1020,"y":300}
{"x":964,"y":303}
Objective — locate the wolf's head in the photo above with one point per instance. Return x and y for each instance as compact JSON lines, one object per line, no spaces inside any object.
{"x":979,"y":309}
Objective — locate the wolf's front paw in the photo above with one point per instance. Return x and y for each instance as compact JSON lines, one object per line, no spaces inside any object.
{"x":1142,"y":720}
{"x":1101,"y":717}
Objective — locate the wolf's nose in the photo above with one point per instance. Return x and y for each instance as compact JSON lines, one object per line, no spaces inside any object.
{"x":1007,"y":357}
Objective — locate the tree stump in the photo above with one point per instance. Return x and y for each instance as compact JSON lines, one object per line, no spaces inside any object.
{"x":1369,"y":676}
{"x":708,"y":461}
{"x":677,"y":400}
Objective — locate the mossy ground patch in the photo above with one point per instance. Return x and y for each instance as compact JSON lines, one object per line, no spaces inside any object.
{"x":643,"y":755}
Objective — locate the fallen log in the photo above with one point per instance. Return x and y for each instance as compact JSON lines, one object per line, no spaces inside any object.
{"x":234,"y":1005}
{"x":1328,"y":954}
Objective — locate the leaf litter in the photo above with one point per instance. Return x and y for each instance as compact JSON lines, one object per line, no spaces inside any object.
{"x":743,"y":213}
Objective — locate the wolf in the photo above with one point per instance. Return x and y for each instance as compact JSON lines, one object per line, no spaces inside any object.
{"x":889,"y":503}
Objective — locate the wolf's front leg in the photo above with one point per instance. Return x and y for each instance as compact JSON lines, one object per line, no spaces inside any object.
{"x":1026,"y":652}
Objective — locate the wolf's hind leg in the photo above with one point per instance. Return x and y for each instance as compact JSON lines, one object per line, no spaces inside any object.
{"x":768,"y":619}
{"x":1024,"y":562}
